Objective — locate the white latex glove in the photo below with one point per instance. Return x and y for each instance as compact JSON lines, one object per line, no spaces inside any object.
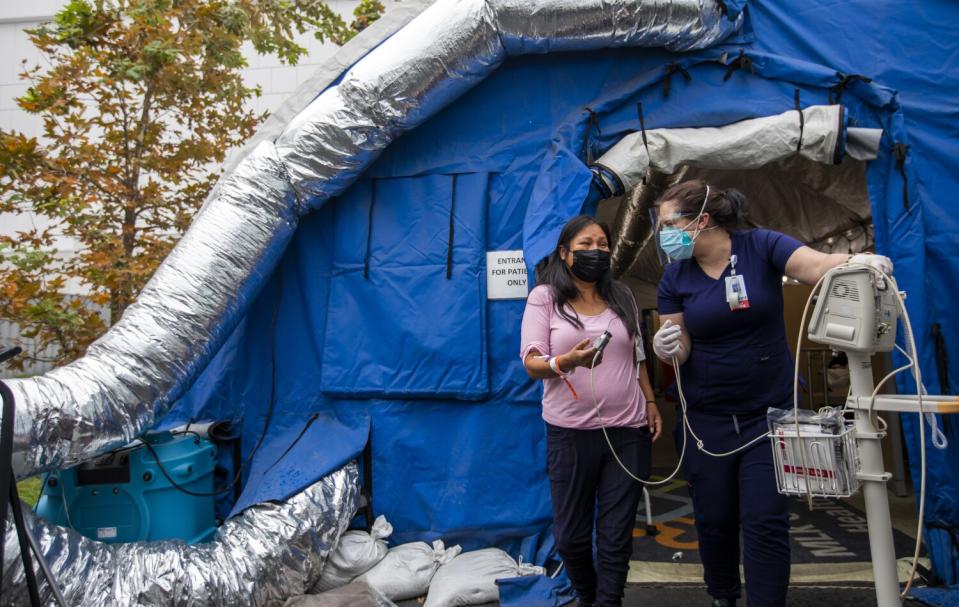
{"x":666,"y":342}
{"x":880,"y":262}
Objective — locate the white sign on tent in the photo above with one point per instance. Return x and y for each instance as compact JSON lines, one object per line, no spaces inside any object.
{"x":506,"y":275}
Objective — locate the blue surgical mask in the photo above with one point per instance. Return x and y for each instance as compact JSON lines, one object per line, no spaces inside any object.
{"x":676,"y":243}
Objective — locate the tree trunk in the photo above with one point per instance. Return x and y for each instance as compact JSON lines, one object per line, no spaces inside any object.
{"x":122,"y":295}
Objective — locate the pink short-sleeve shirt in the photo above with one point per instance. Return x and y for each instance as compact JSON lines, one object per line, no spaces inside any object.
{"x":621,"y":401}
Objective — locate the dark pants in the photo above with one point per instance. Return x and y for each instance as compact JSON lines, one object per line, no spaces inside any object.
{"x":738,"y":492}
{"x":588,"y":485}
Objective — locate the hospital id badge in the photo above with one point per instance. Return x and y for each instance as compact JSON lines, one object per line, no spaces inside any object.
{"x":736,"y":295}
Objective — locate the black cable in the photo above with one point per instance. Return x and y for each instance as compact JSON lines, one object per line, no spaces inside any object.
{"x":130,"y":448}
{"x":176,"y":485}
{"x":266,"y":422}
{"x":309,"y":422}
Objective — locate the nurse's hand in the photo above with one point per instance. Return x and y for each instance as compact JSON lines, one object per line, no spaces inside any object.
{"x":880,"y":262}
{"x":580,"y":356}
{"x":654,"y":419}
{"x":667,"y":341}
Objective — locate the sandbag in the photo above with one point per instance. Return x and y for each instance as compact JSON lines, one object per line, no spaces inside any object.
{"x":357,"y":553}
{"x":470,"y":578}
{"x":406,"y":571}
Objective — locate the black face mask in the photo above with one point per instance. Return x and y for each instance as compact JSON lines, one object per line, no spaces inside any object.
{"x":590,"y":265}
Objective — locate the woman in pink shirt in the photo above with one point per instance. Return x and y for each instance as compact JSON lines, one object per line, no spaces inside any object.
{"x":575,"y":302}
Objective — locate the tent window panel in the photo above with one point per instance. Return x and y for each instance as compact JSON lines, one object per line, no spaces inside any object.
{"x":407,"y":309}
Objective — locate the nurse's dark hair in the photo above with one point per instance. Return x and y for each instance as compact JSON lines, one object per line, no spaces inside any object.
{"x":553,"y":271}
{"x":726,"y":208}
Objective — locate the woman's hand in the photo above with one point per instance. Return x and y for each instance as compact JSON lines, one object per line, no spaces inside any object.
{"x":880,"y":262}
{"x":667,"y":341}
{"x":808,"y":265}
{"x":654,"y":419}
{"x":580,"y":356}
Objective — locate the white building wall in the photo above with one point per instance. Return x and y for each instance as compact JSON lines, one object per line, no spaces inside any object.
{"x":275,"y":79}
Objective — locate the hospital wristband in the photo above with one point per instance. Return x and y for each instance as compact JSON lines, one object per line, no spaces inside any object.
{"x":554,"y":365}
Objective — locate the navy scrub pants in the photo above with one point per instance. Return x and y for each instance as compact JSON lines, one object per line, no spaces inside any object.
{"x":587,"y":487}
{"x":732,"y":493}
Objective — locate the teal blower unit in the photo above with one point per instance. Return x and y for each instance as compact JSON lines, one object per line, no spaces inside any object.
{"x":154,"y":491}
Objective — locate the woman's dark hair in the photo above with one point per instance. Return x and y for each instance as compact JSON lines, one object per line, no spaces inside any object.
{"x":553,"y":271}
{"x":726,"y":208}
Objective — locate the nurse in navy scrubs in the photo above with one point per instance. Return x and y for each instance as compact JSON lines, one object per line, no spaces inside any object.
{"x":721,"y":307}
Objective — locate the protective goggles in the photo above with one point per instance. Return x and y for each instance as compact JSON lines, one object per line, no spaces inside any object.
{"x":673,"y":240}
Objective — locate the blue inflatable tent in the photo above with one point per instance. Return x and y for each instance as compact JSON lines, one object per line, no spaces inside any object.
{"x":378,"y":313}
{"x":373,"y":325}
{"x":384,"y":327}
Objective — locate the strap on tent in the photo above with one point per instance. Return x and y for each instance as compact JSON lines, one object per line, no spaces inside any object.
{"x":369,"y":230}
{"x":642,"y":126}
{"x":449,"y":249}
{"x":802,"y":122}
{"x":901,"y":150}
{"x":942,"y":359}
{"x":671,"y":69}
{"x":366,"y":490}
{"x":741,"y":62}
{"x":835,"y":92}
{"x":588,"y":144}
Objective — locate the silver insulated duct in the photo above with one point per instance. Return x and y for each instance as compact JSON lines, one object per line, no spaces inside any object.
{"x":270,"y":551}
{"x":131,"y":376}
{"x":134,"y":373}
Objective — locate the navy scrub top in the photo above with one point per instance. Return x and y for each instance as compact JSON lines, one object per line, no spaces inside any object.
{"x":740,"y":361}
